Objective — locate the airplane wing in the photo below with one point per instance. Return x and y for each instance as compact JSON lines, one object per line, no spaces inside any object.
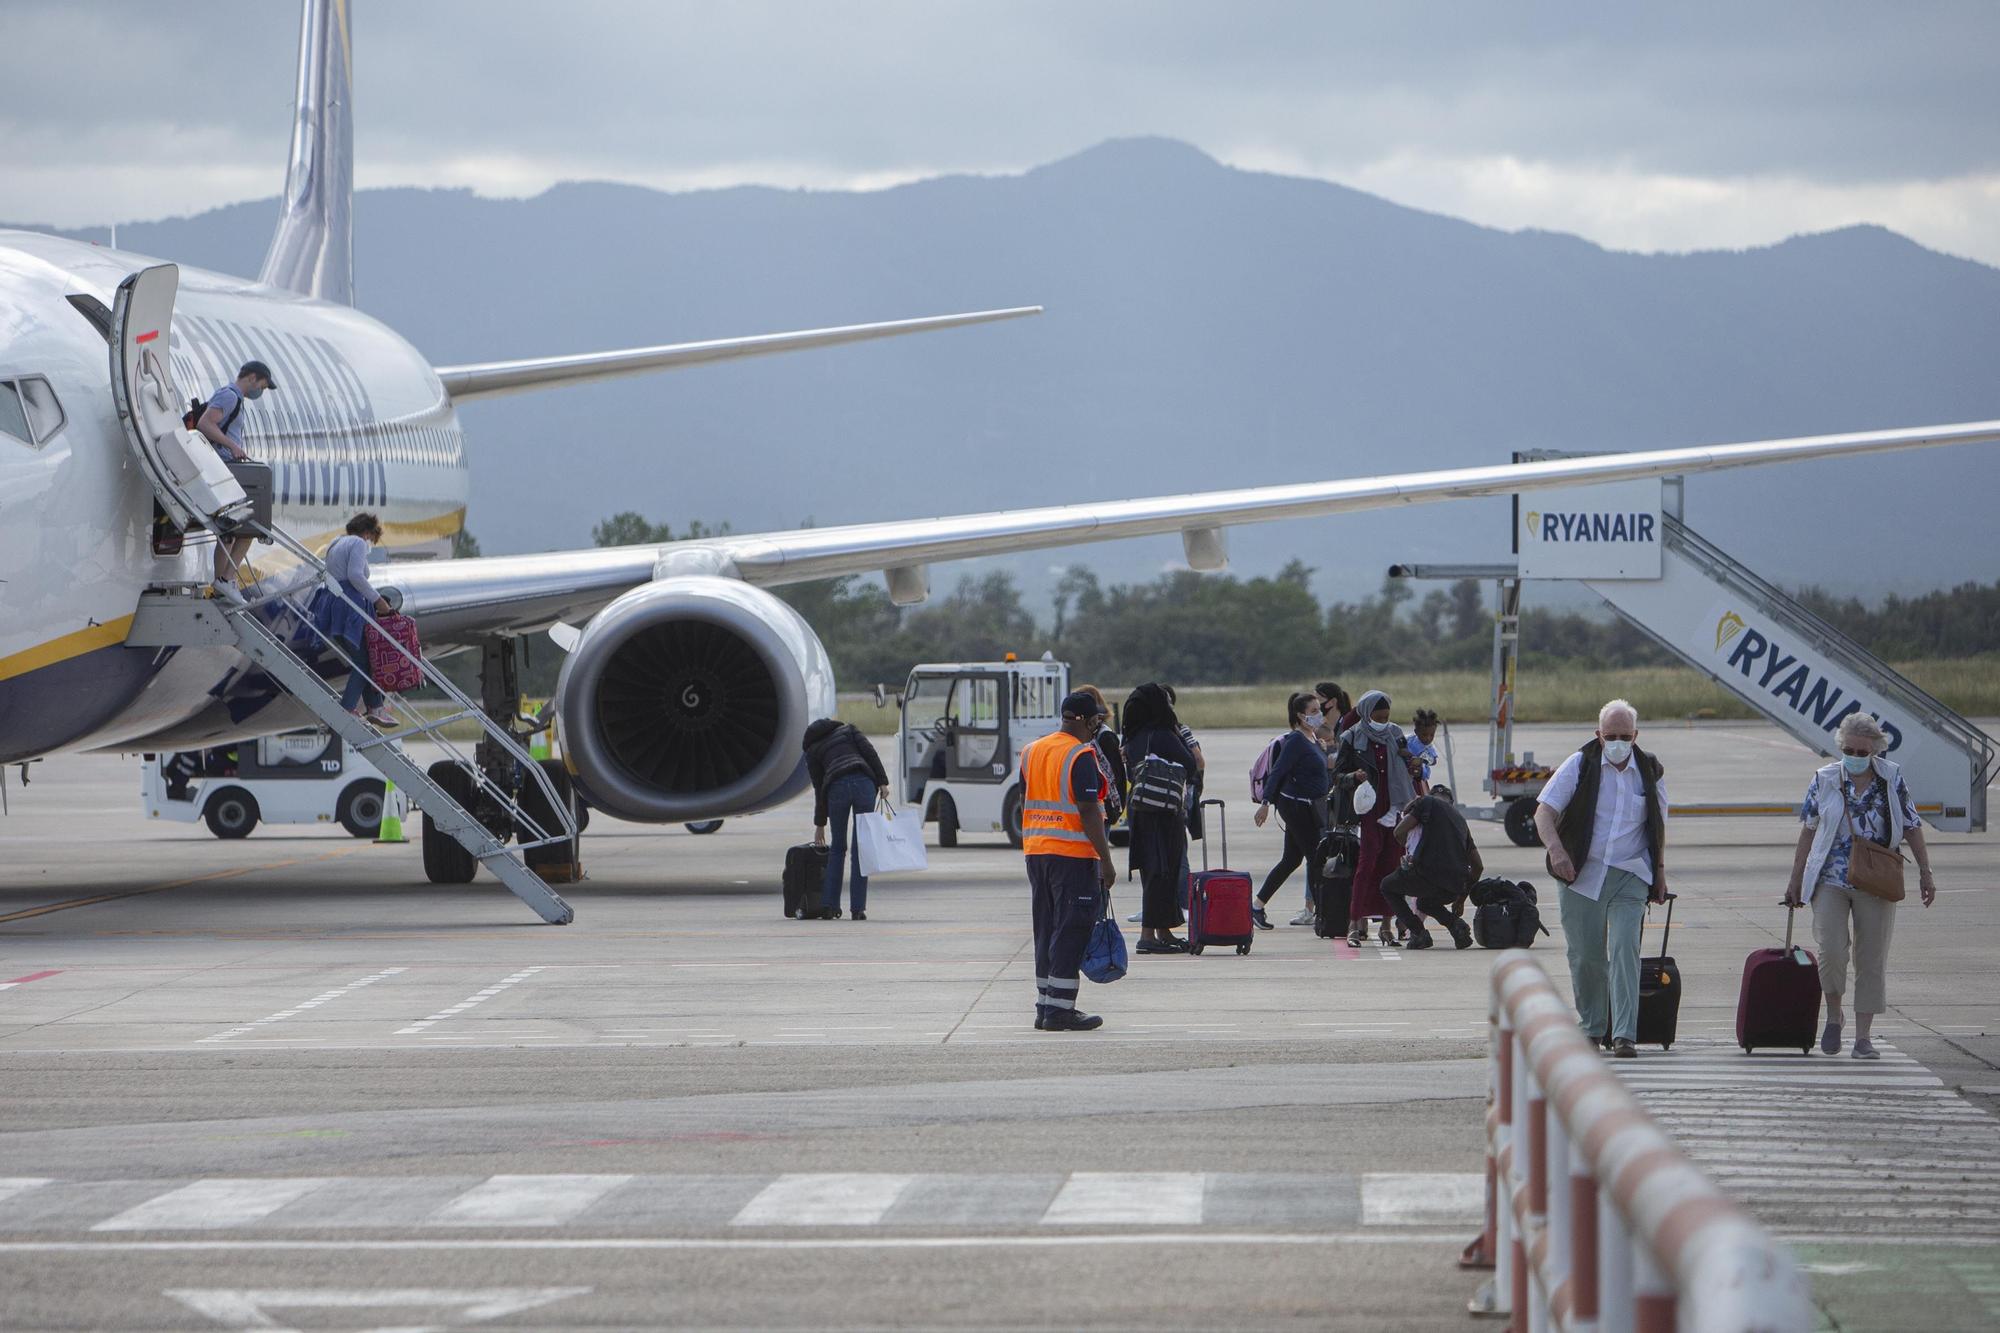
{"x":513,"y":594}
{"x":489,"y":378}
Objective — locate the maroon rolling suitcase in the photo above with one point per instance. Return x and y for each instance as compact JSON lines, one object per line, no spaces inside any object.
{"x":1779,"y":1002}
{"x":1219,"y":900}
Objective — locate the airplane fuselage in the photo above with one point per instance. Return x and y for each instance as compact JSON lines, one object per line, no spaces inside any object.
{"x":359,"y":421}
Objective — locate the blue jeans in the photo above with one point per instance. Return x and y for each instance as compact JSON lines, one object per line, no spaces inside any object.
{"x":1603,"y":942}
{"x":360,"y":688}
{"x":847,"y":797}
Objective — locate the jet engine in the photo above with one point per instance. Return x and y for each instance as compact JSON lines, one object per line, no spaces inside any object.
{"x":686,"y":700}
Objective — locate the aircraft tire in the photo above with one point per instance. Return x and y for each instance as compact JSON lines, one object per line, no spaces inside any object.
{"x":231,"y":813}
{"x":445,"y":862}
{"x":536,"y":806}
{"x":1520,"y":823}
{"x":360,"y":808}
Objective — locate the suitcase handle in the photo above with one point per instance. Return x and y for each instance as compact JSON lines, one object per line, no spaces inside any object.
{"x":1790,"y":913}
{"x":1222,"y":826}
{"x":1666,"y":932}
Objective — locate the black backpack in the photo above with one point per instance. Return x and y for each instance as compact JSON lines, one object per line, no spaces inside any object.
{"x":1505,"y":915}
{"x":196,"y":406}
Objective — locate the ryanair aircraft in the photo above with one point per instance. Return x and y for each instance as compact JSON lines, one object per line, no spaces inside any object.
{"x":687,"y":684}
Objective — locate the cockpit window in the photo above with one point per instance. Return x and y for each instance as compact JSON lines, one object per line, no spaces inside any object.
{"x":13,"y":421}
{"x":29,"y":410}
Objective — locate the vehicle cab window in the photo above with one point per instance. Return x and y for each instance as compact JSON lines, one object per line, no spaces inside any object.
{"x":29,"y":410}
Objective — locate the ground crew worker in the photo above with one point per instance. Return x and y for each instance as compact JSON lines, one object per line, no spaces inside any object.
{"x":217,"y":425}
{"x":1069,"y":859}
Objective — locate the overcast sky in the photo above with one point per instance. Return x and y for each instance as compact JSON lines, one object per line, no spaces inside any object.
{"x":1642,"y":127}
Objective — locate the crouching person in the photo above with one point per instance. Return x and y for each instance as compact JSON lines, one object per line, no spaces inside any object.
{"x":1603,"y":817}
{"x":1438,"y":869}
{"x":1070,"y":873}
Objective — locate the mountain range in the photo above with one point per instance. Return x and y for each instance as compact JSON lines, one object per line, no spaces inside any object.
{"x":1206,"y":327}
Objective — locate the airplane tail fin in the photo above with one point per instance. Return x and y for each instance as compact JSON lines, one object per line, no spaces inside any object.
{"x":312,"y":252}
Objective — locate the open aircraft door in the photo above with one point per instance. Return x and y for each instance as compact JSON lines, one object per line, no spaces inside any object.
{"x":193,"y":483}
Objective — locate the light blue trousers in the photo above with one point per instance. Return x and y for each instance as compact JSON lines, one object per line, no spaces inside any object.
{"x":1603,"y":942}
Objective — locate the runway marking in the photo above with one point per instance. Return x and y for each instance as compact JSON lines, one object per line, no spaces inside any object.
{"x":823,"y":1200}
{"x":32,"y":976}
{"x":1104,"y":1198}
{"x":235,"y":1307}
{"x":478,"y":998}
{"x":524,"y":1201}
{"x":208,"y":1205}
{"x":1055,"y":1240}
{"x":1410,"y":1199}
{"x":44,"y":910}
{"x":324,"y":997}
{"x":12,"y":1185}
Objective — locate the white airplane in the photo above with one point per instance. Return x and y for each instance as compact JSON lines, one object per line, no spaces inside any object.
{"x":688,"y":686}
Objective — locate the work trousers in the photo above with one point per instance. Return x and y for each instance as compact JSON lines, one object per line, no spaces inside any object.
{"x":1406,"y":887}
{"x":1603,"y":942}
{"x":1848,"y":922}
{"x":847,"y":796}
{"x":1067,"y":903}
{"x":1303,"y":823}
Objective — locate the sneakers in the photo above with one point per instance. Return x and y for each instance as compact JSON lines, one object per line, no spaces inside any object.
{"x":1167,"y":945}
{"x":1864,"y":1049}
{"x":1305,"y":918}
{"x":1258,"y":915}
{"x":1829,"y":1040}
{"x":381,"y":717}
{"x":1624,"y":1048}
{"x":1461,"y":934}
{"x":227,"y":592}
{"x":1070,"y":1020}
{"x":1136,"y":917}
{"x":859,"y":915}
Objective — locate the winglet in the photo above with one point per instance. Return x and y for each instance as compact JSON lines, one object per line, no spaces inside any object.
{"x":496,"y":377}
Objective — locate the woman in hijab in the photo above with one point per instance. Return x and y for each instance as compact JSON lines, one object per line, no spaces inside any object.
{"x":1372,"y":762}
{"x":1159,"y":836}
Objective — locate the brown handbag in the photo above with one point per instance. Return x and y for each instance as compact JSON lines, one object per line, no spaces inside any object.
{"x":1872,"y":868}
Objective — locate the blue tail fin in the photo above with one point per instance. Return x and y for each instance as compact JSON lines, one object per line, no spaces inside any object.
{"x":312,"y":251}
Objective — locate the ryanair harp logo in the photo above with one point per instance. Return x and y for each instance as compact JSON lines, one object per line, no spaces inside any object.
{"x":1727,"y":628}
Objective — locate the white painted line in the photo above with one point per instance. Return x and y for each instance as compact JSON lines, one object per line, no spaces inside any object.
{"x":478,"y":998}
{"x":1113,"y":1198}
{"x":524,"y":1201}
{"x":13,"y":1185}
{"x":831,"y":1199}
{"x":1053,"y":1240}
{"x":1401,"y":1199}
{"x":324,"y":997}
{"x":208,"y":1205}
{"x":235,"y":1307}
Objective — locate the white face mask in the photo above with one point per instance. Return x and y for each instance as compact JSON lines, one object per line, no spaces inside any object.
{"x":1617,"y":751}
{"x":1311,"y":719}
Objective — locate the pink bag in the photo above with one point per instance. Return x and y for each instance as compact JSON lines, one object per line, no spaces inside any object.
{"x":392,"y":671}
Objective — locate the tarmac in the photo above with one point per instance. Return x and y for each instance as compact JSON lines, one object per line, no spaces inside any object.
{"x":283,"y":1082}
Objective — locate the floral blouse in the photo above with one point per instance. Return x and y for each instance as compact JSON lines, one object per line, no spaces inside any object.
{"x":1869,"y":813}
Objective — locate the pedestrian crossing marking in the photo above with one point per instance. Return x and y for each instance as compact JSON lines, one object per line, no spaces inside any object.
{"x":525,"y":1201}
{"x":848,"y":1199}
{"x":1112,"y":1198}
{"x":209,"y":1205}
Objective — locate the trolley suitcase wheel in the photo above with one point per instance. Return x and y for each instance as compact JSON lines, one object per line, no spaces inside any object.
{"x":1243,"y":948}
{"x":1195,"y":949}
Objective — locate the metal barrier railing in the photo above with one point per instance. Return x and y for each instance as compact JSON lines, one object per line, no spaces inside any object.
{"x":1594,"y":1219}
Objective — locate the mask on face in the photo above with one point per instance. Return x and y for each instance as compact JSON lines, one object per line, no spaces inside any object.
{"x":255,"y":393}
{"x":1617,"y":751}
{"x":1857,"y":764}
{"x":1311,"y":719}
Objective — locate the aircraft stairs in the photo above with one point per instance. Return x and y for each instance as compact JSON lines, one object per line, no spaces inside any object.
{"x":477,"y":803}
{"x":1802,"y":673}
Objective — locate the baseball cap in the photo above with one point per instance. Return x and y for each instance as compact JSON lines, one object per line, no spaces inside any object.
{"x":1079,"y":704}
{"x":257,"y":368}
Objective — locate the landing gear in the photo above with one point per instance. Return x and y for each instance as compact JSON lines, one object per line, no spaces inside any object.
{"x":1519,"y":822}
{"x":535,"y":806}
{"x":445,"y":862}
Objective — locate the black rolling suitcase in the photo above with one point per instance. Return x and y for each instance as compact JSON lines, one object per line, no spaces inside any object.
{"x":805,"y":874}
{"x":1660,"y":992}
{"x":1339,"y":849}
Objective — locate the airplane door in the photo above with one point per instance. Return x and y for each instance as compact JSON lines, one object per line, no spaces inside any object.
{"x":190,"y":478}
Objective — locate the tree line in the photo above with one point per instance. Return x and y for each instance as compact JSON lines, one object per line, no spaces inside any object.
{"x":1220,"y":629}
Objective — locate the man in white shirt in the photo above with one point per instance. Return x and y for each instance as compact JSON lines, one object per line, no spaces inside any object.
{"x":1603,"y":817}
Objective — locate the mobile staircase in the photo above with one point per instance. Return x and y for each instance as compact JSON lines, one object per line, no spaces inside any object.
{"x":516,"y":795}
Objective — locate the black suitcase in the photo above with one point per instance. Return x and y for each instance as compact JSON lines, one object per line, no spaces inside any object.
{"x":1339,"y":849}
{"x":805,"y":875}
{"x":1660,"y":992}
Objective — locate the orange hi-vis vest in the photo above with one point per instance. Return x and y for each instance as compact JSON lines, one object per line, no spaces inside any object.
{"x":1051,"y":822}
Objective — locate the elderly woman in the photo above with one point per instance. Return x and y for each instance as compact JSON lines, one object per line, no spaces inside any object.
{"x":1863,"y":796}
{"x":1372,"y":757}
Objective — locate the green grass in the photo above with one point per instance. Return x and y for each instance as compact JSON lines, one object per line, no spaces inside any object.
{"x":1970,"y":686}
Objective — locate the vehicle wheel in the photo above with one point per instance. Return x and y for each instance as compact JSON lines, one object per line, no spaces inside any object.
{"x":1520,"y":823}
{"x":703,"y":826}
{"x":1010,"y":816}
{"x":231,"y":813}
{"x":445,"y":862}
{"x":536,"y":807}
{"x":945,"y":811}
{"x":360,"y":808}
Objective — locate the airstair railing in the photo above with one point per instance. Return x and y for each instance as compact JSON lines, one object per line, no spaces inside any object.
{"x":530,"y":831}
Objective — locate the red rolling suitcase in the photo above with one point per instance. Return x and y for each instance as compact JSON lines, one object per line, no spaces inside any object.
{"x":1219,"y":900}
{"x":1779,"y":1002}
